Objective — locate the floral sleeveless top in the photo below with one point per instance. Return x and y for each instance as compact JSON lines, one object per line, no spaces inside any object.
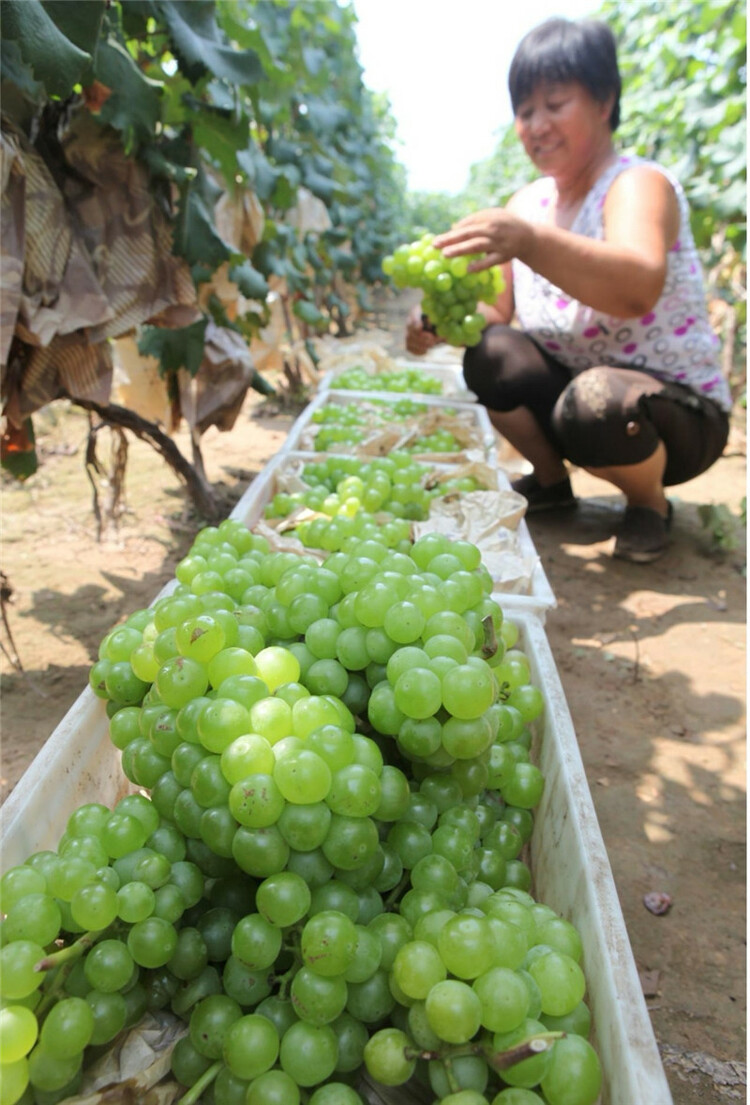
{"x":674,"y":341}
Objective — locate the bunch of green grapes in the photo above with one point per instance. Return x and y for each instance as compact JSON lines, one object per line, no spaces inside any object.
{"x":341,"y":788}
{"x":89,"y":932}
{"x":347,"y":489}
{"x":441,"y":441}
{"x":345,"y":424}
{"x":357,"y":378}
{"x":451,"y":292}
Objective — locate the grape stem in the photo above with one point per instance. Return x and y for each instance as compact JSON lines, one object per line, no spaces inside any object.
{"x":535,"y":1045}
{"x":198,"y":1087}
{"x":285,"y":980}
{"x":397,"y":891}
{"x":73,"y":951}
{"x":498,"y":1060}
{"x":490,"y":646}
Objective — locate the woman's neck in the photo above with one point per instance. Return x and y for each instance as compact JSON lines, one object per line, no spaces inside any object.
{"x":574,"y":185}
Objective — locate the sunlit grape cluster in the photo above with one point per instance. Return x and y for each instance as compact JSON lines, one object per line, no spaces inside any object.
{"x":451,"y":292}
{"x":328,"y":875}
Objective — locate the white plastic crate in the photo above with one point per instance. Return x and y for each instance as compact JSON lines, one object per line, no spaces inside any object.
{"x":569,"y":862}
{"x":486,"y":438}
{"x":537,"y":600}
{"x":572,"y":874}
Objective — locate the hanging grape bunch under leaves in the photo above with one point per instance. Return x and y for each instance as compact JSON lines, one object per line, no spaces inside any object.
{"x":451,"y":292}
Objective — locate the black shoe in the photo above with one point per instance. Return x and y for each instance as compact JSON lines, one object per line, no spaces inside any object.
{"x":558,"y":496}
{"x":643,"y":535}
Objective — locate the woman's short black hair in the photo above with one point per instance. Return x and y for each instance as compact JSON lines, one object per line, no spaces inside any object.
{"x":562,"y":50}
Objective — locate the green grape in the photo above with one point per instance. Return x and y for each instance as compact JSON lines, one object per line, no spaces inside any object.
{"x":94,"y":907}
{"x":418,"y":966}
{"x":256,"y":941}
{"x":18,"y":1033}
{"x":283,"y":899}
{"x":246,"y":986}
{"x":68,"y":1028}
{"x":329,"y":943}
{"x":453,"y":1010}
{"x":560,"y":980}
{"x":249,"y":754}
{"x":275,"y":1087}
{"x":251,"y":1046}
{"x":210,"y":1022}
{"x":303,"y":777}
{"x":308,"y":1053}
{"x":354,"y":791}
{"x":352,"y":1036}
{"x":372,"y":1000}
{"x":578,"y":1021}
{"x":318,"y":999}
{"x":504,"y":998}
{"x":469,"y":1072}
{"x":109,"y":1012}
{"x":35,"y":917}
{"x":152,"y":942}
{"x":335,"y":1093}
{"x":18,"y":978}
{"x":190,"y":956}
{"x":387,"y":1059}
{"x":515,"y":1095}
{"x":15,"y":1079}
{"x":256,"y":801}
{"x":351,"y":841}
{"x":49,"y":1072}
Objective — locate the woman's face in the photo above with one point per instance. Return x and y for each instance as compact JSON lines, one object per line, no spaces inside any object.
{"x":562,"y":126}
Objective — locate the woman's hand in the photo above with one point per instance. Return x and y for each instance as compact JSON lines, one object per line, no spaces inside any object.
{"x":495,"y":232}
{"x":418,"y":340}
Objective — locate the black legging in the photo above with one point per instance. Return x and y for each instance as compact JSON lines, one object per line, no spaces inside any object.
{"x":602,"y":417}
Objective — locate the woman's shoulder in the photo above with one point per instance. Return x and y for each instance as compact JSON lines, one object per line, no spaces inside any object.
{"x":531,"y":198}
{"x":639,"y":172}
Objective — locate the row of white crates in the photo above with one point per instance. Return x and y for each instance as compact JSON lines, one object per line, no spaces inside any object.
{"x":569,"y":863}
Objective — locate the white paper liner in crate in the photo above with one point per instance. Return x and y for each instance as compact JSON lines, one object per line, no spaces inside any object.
{"x":475,"y":416}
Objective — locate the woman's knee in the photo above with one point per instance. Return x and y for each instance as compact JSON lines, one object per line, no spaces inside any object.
{"x":596,"y":427}
{"x":496,"y":368}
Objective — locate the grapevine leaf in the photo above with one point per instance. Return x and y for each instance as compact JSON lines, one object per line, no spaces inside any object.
{"x":135,"y":16}
{"x":221,"y":137}
{"x":134,"y":106}
{"x":197,"y":41}
{"x":260,"y":173}
{"x":314,"y":59}
{"x":324,"y":117}
{"x":251,"y":283}
{"x":17,"y":72}
{"x":81,"y":23}
{"x":56,"y":61}
{"x":198,"y":241}
{"x":307,"y":311}
{"x":175,"y":349}
{"x":322,"y":186}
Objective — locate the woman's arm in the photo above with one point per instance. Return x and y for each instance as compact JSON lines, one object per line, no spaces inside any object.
{"x":623,"y":275}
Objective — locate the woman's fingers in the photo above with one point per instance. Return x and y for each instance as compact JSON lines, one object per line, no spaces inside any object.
{"x":473,"y":243}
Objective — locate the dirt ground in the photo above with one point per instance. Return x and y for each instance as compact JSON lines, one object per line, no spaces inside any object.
{"x":652,"y":660}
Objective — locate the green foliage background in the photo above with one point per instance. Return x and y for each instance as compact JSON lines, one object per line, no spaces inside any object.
{"x":225,"y":95}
